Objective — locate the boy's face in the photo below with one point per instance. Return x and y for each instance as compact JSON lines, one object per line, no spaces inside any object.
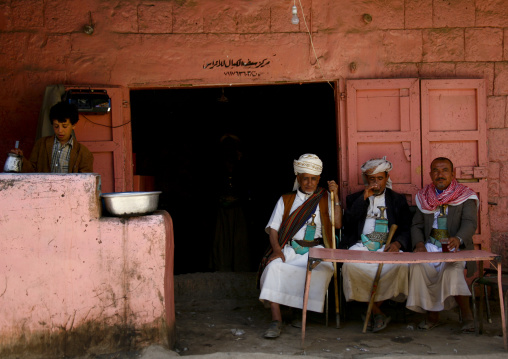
{"x":63,"y":130}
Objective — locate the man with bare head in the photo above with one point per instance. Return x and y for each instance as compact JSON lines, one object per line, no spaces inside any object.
{"x":60,"y":153}
{"x":446,"y":219}
{"x":301,"y":219}
{"x":368,"y":217}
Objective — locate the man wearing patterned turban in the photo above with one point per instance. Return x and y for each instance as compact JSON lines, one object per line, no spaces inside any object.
{"x":283,"y":271}
{"x":434,"y":287}
{"x":364,"y":211}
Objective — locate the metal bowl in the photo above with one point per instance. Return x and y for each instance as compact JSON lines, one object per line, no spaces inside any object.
{"x":126,"y":204}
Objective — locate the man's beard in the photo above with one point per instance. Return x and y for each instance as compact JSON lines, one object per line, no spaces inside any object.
{"x":307,"y":193}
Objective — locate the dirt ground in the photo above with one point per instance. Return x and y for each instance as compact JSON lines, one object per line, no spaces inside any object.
{"x":208,"y":325}
{"x":219,"y":316}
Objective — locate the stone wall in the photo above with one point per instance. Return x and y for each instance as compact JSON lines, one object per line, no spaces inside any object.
{"x":179,"y":43}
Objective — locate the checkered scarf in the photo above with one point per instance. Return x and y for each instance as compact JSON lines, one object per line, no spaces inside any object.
{"x":428,"y":200}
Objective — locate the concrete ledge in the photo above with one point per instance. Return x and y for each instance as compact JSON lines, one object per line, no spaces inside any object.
{"x":75,"y":283}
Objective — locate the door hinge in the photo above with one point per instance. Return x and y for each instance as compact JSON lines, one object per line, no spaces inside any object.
{"x":342,"y":96}
{"x":125,"y":104}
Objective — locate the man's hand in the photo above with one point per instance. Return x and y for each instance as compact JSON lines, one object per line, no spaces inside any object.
{"x":275,"y":255}
{"x":17,"y":151}
{"x":453,"y":244}
{"x":369,"y":190}
{"x":393,"y":247}
{"x":333,"y":187}
{"x":274,"y":242}
{"x":420,"y":247}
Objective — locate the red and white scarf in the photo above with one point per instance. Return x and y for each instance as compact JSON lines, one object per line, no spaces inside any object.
{"x":428,"y":200}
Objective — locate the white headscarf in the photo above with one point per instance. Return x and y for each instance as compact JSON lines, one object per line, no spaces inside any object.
{"x":377,"y":165}
{"x":307,"y":163}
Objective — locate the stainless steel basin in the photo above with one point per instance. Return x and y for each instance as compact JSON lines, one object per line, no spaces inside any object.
{"x":127,"y":204}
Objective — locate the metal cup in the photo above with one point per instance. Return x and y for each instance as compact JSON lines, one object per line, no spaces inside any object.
{"x":13,"y":163}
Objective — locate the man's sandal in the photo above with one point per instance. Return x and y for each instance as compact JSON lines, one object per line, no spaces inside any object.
{"x":468,"y":327}
{"x":424,"y":325}
{"x":273,"y":330}
{"x":380,"y":322}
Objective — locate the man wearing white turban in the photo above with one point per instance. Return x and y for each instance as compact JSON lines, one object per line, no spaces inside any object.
{"x":295,"y":218}
{"x":361,"y":232}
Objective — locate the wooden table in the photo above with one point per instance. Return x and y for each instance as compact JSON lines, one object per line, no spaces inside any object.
{"x":317,"y":255}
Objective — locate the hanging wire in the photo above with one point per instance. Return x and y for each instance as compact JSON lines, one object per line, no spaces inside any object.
{"x":100,"y":124}
{"x":312,"y":44}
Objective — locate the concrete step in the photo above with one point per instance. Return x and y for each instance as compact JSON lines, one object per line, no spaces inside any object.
{"x":215,"y":286}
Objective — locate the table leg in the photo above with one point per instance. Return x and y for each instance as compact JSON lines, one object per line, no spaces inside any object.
{"x":502,"y":304}
{"x":475,"y":311}
{"x":482,"y":298}
{"x":306,"y":301}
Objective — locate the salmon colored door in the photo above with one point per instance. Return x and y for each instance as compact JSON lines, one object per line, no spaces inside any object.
{"x":383,"y":119}
{"x":108,"y":137}
{"x":454,"y":126}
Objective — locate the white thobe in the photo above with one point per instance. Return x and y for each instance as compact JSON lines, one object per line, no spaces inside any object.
{"x":358,"y":277}
{"x":284,"y":282}
{"x":433,"y":286}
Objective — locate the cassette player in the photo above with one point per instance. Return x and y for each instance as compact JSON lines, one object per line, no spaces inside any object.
{"x":94,"y":102}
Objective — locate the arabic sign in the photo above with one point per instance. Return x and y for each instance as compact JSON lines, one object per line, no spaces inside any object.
{"x":238,"y":68}
{"x":238,"y":63}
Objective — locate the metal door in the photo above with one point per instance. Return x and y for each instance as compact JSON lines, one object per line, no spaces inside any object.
{"x":383,"y":119}
{"x":454,"y":126}
{"x":108,"y":137}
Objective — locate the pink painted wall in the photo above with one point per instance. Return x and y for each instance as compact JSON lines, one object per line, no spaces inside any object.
{"x":139,"y":44}
{"x":72,"y":281}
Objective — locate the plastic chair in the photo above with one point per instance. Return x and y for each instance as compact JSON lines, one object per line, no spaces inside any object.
{"x":489,"y":279}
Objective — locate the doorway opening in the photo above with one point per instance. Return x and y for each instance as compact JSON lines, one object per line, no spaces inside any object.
{"x":223,"y":156}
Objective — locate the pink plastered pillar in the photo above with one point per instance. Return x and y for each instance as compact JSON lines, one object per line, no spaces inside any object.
{"x":72,"y":281}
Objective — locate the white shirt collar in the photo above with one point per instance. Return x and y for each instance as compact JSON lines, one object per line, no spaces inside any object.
{"x":302,"y":195}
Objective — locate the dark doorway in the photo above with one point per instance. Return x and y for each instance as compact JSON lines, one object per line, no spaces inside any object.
{"x":176,"y":138}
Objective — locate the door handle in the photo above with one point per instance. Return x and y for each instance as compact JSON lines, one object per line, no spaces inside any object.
{"x":471,"y":172}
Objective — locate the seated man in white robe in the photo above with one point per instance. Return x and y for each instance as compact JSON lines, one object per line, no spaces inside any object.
{"x":434,"y":287}
{"x":301,"y":219}
{"x":368,"y":217}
